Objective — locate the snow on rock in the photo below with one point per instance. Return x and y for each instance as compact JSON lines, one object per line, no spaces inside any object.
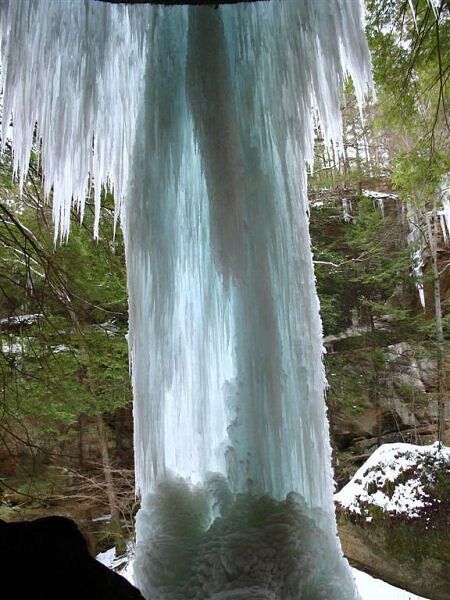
{"x":379,"y":198}
{"x":396,"y":479}
{"x":376,"y":589}
{"x":379,"y":195}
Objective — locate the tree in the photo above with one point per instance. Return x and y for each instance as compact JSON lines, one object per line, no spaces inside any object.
{"x":412,"y":73}
{"x":63,"y":312}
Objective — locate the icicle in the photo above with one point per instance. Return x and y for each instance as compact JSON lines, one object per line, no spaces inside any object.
{"x":414,"y":239}
{"x":203,"y":119}
{"x":379,"y":199}
{"x":70,"y":79}
{"x":444,"y":212}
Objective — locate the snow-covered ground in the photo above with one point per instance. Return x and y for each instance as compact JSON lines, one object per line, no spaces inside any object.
{"x":375,"y":589}
{"x":21,"y":319}
{"x":121,"y":564}
{"x":394,"y":478}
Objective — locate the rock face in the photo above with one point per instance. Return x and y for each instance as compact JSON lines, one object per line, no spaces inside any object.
{"x":48,"y":559}
{"x":393,"y":518}
{"x":370,"y":548}
{"x":404,"y":407}
{"x":416,"y":374}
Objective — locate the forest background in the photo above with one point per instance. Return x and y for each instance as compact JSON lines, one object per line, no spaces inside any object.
{"x":380,"y":228}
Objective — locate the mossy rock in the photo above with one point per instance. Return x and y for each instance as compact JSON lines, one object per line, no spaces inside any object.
{"x":407,"y":554}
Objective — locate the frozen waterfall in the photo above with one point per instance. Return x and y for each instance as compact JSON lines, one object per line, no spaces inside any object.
{"x":201,"y":120}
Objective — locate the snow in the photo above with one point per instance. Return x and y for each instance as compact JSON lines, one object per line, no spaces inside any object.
{"x":13,"y":347}
{"x":122,"y":564}
{"x":19,"y":345}
{"x":21,"y":319}
{"x":107,"y":558}
{"x":317,"y":204}
{"x":386,"y":465}
{"x":444,"y":212}
{"x":61,"y":348}
{"x":379,"y":198}
{"x":376,"y":589}
{"x":102,"y":518}
{"x":379,"y":195}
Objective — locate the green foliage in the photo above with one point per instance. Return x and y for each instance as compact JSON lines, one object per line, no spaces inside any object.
{"x":361,"y":264}
{"x":380,"y":262}
{"x":72,"y":357}
{"x":411,"y":59}
{"x":346,"y":375}
{"x":336,"y":300}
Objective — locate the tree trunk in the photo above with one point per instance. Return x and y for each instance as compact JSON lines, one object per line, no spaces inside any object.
{"x":358,"y":156}
{"x":81,"y":452}
{"x":433,"y":235}
{"x":375,"y":378}
{"x":102,"y":438}
{"x":109,"y":482}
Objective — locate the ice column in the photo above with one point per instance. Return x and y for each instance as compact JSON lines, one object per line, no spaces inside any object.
{"x":202,"y":120}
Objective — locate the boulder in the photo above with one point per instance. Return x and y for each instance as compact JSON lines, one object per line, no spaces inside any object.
{"x":393,"y":518}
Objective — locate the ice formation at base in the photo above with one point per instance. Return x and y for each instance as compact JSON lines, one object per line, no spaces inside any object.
{"x":202,"y":121}
{"x":257,"y":547}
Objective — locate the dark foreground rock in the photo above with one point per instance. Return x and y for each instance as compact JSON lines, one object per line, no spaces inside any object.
{"x":49,"y":559}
